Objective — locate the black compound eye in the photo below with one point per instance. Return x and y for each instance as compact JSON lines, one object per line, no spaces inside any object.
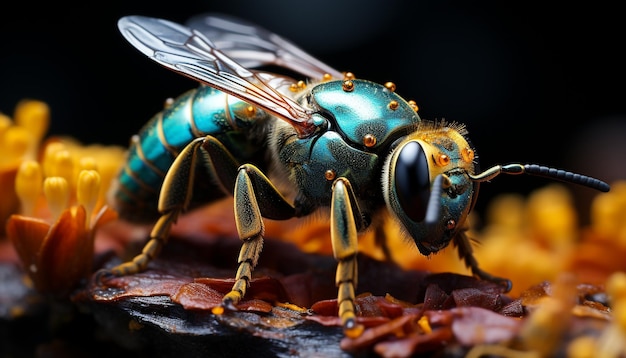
{"x":413,"y":181}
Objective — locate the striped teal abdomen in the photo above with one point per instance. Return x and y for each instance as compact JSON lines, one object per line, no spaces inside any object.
{"x":196,"y":113}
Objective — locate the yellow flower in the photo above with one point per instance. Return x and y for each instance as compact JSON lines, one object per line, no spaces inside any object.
{"x":57,"y":254}
{"x":52,"y":208}
{"x":19,"y":141}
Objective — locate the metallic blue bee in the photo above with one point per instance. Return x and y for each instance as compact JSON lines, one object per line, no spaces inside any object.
{"x":285,"y":148}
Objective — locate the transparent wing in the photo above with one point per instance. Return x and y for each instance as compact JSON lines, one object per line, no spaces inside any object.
{"x":192,"y":54}
{"x":253,"y":46}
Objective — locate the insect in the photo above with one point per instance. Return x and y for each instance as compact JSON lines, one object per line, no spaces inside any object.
{"x":284,"y":148}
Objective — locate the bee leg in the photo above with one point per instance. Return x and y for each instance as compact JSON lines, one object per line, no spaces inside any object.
{"x":249,"y":220}
{"x":226,"y":169}
{"x":158,"y":238}
{"x":174,"y":198}
{"x":343,"y":225}
{"x":381,"y":240}
{"x":465,"y":251}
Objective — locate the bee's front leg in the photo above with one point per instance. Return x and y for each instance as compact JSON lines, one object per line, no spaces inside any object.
{"x":344,"y":215}
{"x":465,"y":251}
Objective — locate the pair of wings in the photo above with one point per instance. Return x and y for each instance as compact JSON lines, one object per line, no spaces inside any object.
{"x":219,"y":50}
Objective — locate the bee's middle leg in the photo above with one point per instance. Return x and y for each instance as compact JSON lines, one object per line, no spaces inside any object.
{"x":250,"y":185}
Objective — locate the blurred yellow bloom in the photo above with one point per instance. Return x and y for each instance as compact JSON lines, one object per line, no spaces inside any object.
{"x":57,"y":253}
{"x":601,"y":249}
{"x":19,"y":140}
{"x":53,"y":199}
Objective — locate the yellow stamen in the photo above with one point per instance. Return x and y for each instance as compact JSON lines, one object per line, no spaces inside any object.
{"x":49,"y":155}
{"x":63,"y":165}
{"x":28,"y":186}
{"x":5,"y":123}
{"x":57,"y":192}
{"x":87,"y":163}
{"x":16,"y":141}
{"x":87,"y":191}
{"x":34,"y":116}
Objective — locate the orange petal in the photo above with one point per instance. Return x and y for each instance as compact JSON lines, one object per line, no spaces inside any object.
{"x":66,"y":255}
{"x":10,"y":203}
{"x":27,"y":234}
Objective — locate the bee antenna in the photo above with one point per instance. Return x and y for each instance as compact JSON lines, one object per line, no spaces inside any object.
{"x":541,"y":171}
{"x":434,"y":204}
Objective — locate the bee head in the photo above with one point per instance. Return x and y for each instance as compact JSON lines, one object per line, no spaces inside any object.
{"x":427,"y":185}
{"x":431,"y":180}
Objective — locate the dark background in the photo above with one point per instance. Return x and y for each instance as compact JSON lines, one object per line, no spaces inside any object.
{"x":533,"y":83}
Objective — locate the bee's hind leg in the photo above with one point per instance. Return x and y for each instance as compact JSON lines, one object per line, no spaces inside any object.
{"x":174,"y":198}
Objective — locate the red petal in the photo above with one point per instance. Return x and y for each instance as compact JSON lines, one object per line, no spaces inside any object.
{"x":262,"y":288}
{"x":200,"y":296}
{"x":465,"y":297}
{"x":398,"y":326}
{"x":435,"y":298}
{"x":195,"y":295}
{"x":376,"y":306}
{"x":475,"y":325}
{"x":415,"y":343}
{"x":325,"y":308}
